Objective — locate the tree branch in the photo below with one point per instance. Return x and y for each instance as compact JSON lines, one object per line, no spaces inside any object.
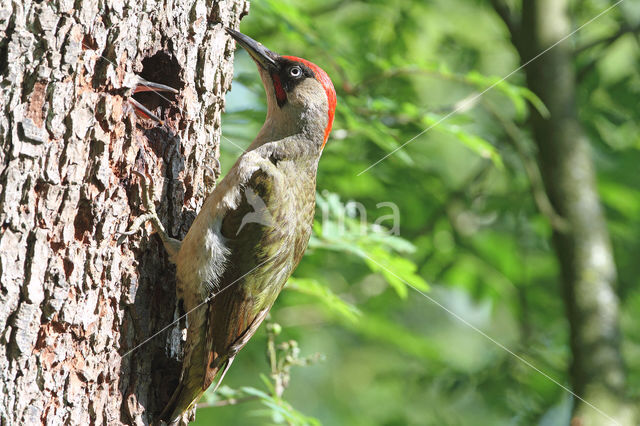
{"x":609,"y":40}
{"x":540,"y":197}
{"x":606,"y":42}
{"x":597,"y":370}
{"x":510,"y":19}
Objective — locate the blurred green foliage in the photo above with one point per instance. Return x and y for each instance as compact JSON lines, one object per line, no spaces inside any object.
{"x":468,"y":224}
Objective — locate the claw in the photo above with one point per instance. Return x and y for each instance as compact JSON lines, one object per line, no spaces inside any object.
{"x":147,"y":202}
{"x":171,"y":245}
{"x":148,"y":86}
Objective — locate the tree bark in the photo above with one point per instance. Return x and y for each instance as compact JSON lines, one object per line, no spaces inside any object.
{"x":75,"y":297}
{"x":584,"y":250}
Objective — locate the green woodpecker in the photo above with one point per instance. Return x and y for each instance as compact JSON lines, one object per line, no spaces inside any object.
{"x":253,"y":228}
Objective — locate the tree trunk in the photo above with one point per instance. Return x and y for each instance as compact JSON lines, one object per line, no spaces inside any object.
{"x":75,"y":296}
{"x":584,"y":251}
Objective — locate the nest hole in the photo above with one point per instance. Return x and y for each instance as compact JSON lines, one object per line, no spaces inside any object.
{"x":160,"y":68}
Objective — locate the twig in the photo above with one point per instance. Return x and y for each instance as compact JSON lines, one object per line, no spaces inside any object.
{"x":471,"y":179}
{"x":279,"y":384}
{"x":609,"y":40}
{"x":230,"y":401}
{"x":606,"y":42}
{"x":509,"y":18}
{"x":394,"y":72}
{"x":540,"y":197}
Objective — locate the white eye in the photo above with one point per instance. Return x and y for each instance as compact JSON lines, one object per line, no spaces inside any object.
{"x":295,"y":72}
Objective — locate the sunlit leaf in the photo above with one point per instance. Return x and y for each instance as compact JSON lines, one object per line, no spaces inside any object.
{"x":324,"y":294}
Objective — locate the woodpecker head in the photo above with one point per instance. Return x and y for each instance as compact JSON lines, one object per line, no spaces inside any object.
{"x":300,"y":95}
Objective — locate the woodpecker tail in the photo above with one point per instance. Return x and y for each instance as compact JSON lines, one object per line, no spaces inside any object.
{"x":187,"y":394}
{"x":192,"y":381}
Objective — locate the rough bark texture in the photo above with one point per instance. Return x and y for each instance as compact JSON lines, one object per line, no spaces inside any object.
{"x":584,"y":250}
{"x":74,"y":296}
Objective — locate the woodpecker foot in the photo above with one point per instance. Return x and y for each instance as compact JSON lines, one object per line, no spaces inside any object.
{"x":148,"y":86}
{"x":171,"y":244}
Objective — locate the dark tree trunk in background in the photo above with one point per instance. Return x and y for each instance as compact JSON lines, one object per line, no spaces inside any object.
{"x":584,"y":250}
{"x":73,"y":299}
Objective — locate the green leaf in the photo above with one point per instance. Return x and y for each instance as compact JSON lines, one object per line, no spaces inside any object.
{"x":324,"y":294}
{"x":517,"y":94}
{"x":477,"y":144}
{"x":398,"y":271}
{"x":255,"y":392}
{"x":379,"y":328}
{"x":381,"y":252}
{"x":280,"y":410}
{"x":535,"y":101}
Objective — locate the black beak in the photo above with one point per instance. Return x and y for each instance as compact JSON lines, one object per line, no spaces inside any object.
{"x":263,"y":56}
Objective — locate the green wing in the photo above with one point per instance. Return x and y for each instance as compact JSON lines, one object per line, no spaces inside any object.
{"x":216,"y":333}
{"x":257,"y":251}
